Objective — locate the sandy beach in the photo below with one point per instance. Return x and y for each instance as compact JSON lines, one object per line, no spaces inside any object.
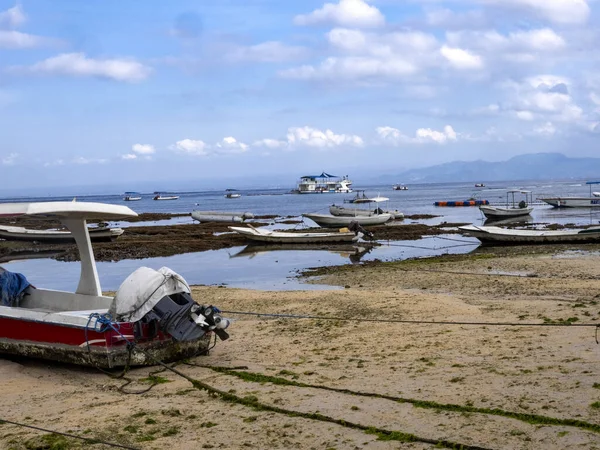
{"x":480,"y":386}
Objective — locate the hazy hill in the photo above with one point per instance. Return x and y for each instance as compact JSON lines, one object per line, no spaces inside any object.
{"x":523,"y":167}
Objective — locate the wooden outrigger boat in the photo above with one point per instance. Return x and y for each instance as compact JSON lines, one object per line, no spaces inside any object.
{"x":491,"y":235}
{"x":151,"y":318}
{"x":329,"y":221}
{"x":221,"y":216}
{"x":99,"y":234}
{"x":285,"y":237}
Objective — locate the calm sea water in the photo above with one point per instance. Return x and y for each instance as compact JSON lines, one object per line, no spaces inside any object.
{"x":264,"y":269}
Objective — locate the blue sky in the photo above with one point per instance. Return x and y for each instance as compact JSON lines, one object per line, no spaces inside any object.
{"x":133,"y":91}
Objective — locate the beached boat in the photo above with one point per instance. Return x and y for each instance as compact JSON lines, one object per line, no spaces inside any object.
{"x":99,"y":234}
{"x":575,"y":202}
{"x":511,"y":209}
{"x":491,"y":235}
{"x":285,"y":237}
{"x":329,"y":221}
{"x":221,"y":216}
{"x":151,"y":318}
{"x":336,"y":210}
{"x":324,"y":184}
{"x":132,"y":196}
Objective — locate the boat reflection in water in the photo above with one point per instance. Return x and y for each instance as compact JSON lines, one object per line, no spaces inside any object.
{"x":520,"y":220}
{"x":353,"y":252}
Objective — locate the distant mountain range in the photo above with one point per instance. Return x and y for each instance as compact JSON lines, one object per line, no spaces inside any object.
{"x":524,"y":167}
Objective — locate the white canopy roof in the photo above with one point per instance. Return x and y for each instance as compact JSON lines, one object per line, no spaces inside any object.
{"x":66,"y":210}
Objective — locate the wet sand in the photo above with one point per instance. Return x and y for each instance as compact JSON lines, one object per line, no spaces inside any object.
{"x":497,"y":387}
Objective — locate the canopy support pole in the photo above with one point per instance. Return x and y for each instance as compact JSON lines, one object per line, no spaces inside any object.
{"x":89,"y":283}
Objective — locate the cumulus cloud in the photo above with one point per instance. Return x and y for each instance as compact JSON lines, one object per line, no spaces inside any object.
{"x":367,"y":55}
{"x":461,"y":59}
{"x":78,"y":64}
{"x":129,"y":156}
{"x":546,"y":129}
{"x":313,"y":137}
{"x":12,"y":17}
{"x":266,"y":52}
{"x":143,"y":149}
{"x":230,"y":145}
{"x":83,"y":160}
{"x":270,"y":143}
{"x":190,"y":147}
{"x":347,"y":13}
{"x":393,"y":136}
{"x":10,"y":38}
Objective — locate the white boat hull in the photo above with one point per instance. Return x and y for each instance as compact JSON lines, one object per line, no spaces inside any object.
{"x":329,"y":221}
{"x":499,"y":212}
{"x":218,"y":216}
{"x":55,"y":236}
{"x":281,"y":237}
{"x":335,"y":210}
{"x":572,"y":202}
{"x":504,"y":236}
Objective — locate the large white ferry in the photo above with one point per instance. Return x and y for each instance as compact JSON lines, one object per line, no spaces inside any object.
{"x":324,"y":184}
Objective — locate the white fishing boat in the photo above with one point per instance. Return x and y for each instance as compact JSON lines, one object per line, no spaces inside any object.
{"x":575,"y":202}
{"x":511,"y":209}
{"x":132,"y":196}
{"x":162,"y":196}
{"x":491,"y":235}
{"x":330,"y":221}
{"x":151,"y":318}
{"x":400,"y":187}
{"x":285,"y":237}
{"x":99,"y":234}
{"x":232,"y":195}
{"x":221,"y":216}
{"x":336,"y":210}
{"x":324,"y":184}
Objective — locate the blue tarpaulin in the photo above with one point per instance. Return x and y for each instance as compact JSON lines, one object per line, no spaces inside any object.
{"x":12,"y":287}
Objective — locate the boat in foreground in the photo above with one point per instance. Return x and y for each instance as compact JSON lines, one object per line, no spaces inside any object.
{"x":285,"y":237}
{"x":575,"y":202}
{"x":329,"y":221}
{"x":99,"y":234}
{"x":511,"y":209}
{"x":491,"y":235}
{"x":151,"y":318}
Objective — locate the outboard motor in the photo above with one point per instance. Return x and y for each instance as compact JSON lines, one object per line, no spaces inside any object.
{"x":184,"y":319}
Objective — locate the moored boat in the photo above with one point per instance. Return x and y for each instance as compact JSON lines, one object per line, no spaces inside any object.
{"x":575,"y":202}
{"x":511,"y":209}
{"x":163,"y":196}
{"x":470,"y":202}
{"x":336,"y":210}
{"x":99,"y":234}
{"x":285,"y":237}
{"x":151,"y":318}
{"x":132,"y":196}
{"x":491,"y":235}
{"x":329,"y":221}
{"x":399,"y":187}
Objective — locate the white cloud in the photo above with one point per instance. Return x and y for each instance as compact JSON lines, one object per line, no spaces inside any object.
{"x":546,"y":129}
{"x":143,"y":149}
{"x":58,"y":162}
{"x":393,"y":136}
{"x":9,"y":159}
{"x":461,"y":59}
{"x":230,"y":145}
{"x":12,"y":17}
{"x":78,"y":64}
{"x":270,"y":143}
{"x":348,"y":13}
{"x":446,"y":18}
{"x":558,"y":11}
{"x":12,"y":39}
{"x":82,"y":160}
{"x":190,"y":147}
{"x":129,"y":156}
{"x":313,"y":137}
{"x":267,"y":52}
